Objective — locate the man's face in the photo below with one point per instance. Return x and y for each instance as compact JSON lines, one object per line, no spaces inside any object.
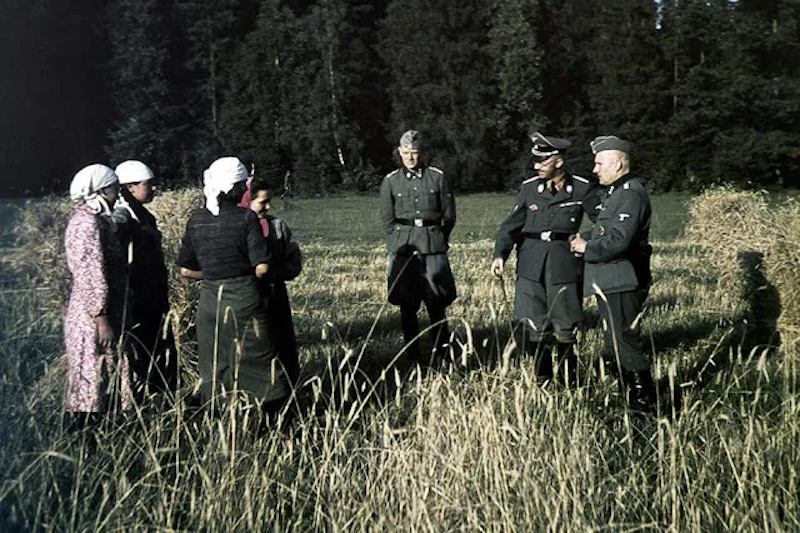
{"x":142,"y":191}
{"x":546,"y":167}
{"x":409,"y":156}
{"x":260,"y":204}
{"x":607,"y":166}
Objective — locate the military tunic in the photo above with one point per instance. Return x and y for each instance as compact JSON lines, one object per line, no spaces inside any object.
{"x":548,"y":274}
{"x":617,"y":261}
{"x":418,"y":213}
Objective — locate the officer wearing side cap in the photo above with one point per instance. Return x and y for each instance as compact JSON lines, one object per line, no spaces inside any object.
{"x":418,"y":211}
{"x":548,"y":212}
{"x":617,"y":253}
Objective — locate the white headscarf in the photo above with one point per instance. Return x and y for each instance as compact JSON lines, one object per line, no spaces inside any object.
{"x":131,"y":171}
{"x":220,"y":177}
{"x":87,"y":183}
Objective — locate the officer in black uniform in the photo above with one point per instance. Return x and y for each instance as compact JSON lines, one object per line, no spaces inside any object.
{"x":548,"y":212}
{"x":617,"y":253}
{"x":419,"y":212}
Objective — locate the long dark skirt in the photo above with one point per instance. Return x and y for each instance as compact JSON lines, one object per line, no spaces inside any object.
{"x":236,"y":352}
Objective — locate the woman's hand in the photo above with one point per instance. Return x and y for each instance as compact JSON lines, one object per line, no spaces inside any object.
{"x":105,"y":333}
{"x":261,"y":270}
{"x":191,"y":274}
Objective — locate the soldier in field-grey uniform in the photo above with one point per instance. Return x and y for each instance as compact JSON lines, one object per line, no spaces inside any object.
{"x":617,"y":256}
{"x":548,"y":212}
{"x":419,"y":212}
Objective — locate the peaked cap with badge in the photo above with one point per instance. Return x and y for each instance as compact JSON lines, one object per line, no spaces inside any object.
{"x":548,"y":146}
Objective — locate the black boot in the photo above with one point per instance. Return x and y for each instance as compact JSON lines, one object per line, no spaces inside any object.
{"x":641,"y":390}
{"x":543,"y":361}
{"x":567,"y":364}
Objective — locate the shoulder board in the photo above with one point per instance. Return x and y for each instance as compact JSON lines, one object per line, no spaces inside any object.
{"x":530,"y":180}
{"x":392,"y":172}
{"x":579,"y":178}
{"x":436,"y":170}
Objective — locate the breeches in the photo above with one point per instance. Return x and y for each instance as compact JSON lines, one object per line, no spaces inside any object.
{"x":621,"y":316}
{"x":417,"y":278}
{"x":555,"y":309}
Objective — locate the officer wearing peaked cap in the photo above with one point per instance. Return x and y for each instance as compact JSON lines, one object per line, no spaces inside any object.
{"x":548,"y":212}
{"x":419,"y":212}
{"x":617,"y":253}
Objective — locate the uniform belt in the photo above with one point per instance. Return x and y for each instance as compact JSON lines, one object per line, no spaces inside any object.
{"x":418,"y":222}
{"x":547,"y":236}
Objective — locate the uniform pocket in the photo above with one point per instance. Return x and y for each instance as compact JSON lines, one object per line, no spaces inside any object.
{"x":430,"y":199}
{"x":614,"y":277}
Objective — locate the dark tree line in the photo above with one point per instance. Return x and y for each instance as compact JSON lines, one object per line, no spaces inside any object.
{"x":708,"y":90}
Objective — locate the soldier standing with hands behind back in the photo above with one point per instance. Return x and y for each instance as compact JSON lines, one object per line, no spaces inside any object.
{"x":547,"y":299}
{"x":617,"y":256}
{"x":419,"y":212}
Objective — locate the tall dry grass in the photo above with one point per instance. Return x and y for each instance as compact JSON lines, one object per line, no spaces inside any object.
{"x":478,"y":447}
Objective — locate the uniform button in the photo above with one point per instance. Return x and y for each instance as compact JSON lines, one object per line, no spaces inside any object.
{"x":418,"y":212}
{"x":416,"y":199}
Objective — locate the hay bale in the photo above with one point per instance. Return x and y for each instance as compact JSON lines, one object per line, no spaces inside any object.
{"x":729,"y":224}
{"x":783,"y":260}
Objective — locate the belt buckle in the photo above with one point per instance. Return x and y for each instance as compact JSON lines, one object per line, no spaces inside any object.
{"x":546,"y":236}
{"x":418,"y":222}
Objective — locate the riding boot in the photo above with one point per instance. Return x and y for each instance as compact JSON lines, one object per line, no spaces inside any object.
{"x":440,"y":338}
{"x":543,"y":361}
{"x":641,"y":390}
{"x":567,"y":363}
{"x":410,"y":324}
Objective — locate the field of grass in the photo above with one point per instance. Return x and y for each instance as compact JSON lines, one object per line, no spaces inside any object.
{"x":478,"y":446}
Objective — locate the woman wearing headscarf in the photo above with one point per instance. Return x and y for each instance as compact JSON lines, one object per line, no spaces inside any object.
{"x":153,"y":357}
{"x":224,"y":247}
{"x":97,"y":375}
{"x":285,"y":264}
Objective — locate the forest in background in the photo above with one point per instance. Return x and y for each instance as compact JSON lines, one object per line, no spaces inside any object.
{"x":708,"y":90}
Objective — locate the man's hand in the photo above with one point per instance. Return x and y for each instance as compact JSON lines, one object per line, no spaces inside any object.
{"x":577,"y":245}
{"x":497,"y":267}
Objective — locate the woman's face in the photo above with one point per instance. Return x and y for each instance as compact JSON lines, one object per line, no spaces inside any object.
{"x":260,"y":204}
{"x":142,"y":191}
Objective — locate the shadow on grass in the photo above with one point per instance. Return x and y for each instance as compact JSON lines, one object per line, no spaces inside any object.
{"x":754,"y":330}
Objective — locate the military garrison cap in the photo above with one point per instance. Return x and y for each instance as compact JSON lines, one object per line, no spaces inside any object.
{"x":411,"y":139}
{"x":609,"y":142}
{"x":547,"y":146}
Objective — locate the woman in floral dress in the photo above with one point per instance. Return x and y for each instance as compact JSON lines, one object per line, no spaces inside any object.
{"x":97,"y":375}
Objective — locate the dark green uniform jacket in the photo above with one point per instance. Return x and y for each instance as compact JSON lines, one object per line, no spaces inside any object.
{"x":618,"y":250}
{"x":418,"y":213}
{"x":539,"y":211}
